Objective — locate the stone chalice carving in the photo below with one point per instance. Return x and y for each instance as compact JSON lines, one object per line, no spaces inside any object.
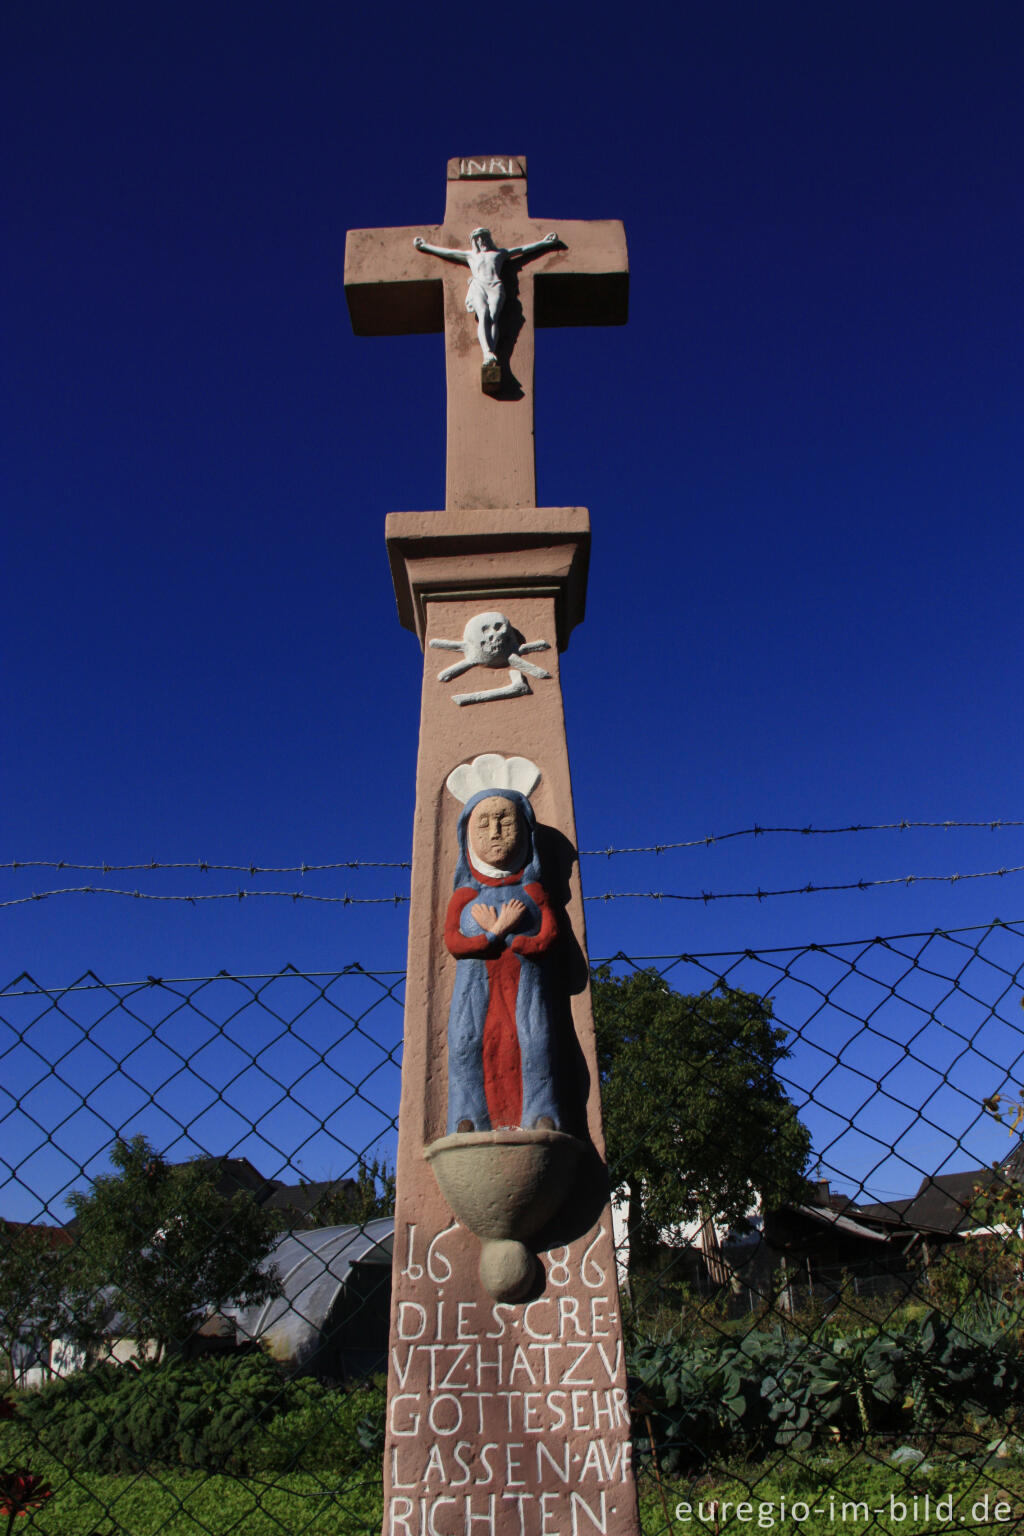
{"x":506,"y":1166}
{"x":490,"y":640}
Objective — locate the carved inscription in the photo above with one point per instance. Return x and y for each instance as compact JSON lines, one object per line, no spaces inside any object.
{"x":507,"y":1420}
{"x":489,"y":165}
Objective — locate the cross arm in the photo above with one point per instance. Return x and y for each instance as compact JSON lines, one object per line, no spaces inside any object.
{"x":585,"y":278}
{"x":391,"y":290}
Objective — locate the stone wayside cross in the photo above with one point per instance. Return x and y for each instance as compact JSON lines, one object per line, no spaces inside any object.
{"x":395,"y":289}
{"x":507,"y":1406}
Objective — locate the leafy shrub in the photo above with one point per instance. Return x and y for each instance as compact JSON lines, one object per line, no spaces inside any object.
{"x":220,"y":1414}
{"x":764,"y":1390}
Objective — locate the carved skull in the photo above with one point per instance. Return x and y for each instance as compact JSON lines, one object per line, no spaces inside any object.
{"x":488,"y":640}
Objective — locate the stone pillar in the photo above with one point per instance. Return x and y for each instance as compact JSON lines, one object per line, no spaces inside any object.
{"x":507,"y":1409}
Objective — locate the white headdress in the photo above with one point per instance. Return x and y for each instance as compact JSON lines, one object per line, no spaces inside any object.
{"x":492,"y":771}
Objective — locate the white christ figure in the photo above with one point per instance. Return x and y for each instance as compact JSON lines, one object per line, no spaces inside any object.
{"x":485,"y":296}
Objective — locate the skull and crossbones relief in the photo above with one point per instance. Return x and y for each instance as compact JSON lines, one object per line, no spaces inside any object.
{"x":490,"y":640}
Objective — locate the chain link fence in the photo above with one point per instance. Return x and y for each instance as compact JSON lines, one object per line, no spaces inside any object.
{"x":819,"y":1226}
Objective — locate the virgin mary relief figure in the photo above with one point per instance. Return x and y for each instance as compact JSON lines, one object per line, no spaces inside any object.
{"x":500,"y":927}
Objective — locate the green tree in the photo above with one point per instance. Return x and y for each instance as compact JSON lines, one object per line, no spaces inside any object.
{"x":372,"y":1195}
{"x":159,"y":1244}
{"x":30,"y":1286}
{"x":697,"y":1122}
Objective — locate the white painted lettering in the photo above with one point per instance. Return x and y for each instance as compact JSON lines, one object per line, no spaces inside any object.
{"x":432,"y":1351}
{"x":607,"y":1412}
{"x":558,"y":1273}
{"x":569,"y":1376}
{"x":580,"y":1403}
{"x":569,"y":1309}
{"x":411,"y":1271}
{"x":434,"y":1413}
{"x":489,"y":1365}
{"x":547,"y":1514}
{"x":513,"y":1464}
{"x":462,"y":1311}
{"x":463,"y":1464}
{"x":480,"y":1398}
{"x":432,"y":1527}
{"x":577,"y":1504}
{"x":439,"y":1267}
{"x":611,"y":1462}
{"x":413,"y":1419}
{"x":597,"y":1305}
{"x":396,"y":1481}
{"x":498,"y":1308}
{"x":520,"y":1363}
{"x":487,"y":1519}
{"x":520,"y":1499}
{"x":402,"y":1375}
{"x":405,"y":1307}
{"x":531,"y":1407}
{"x":400,"y":1510}
{"x":488,"y":1476}
{"x":591,"y":1462}
{"x":613,"y":1370}
{"x":591,"y":1273}
{"x":435,"y":1463}
{"x":546,"y":1351}
{"x":462,"y":1350}
{"x":555,"y":1401}
{"x":543,"y":1454}
{"x":621,"y":1405}
{"x":544,"y":1301}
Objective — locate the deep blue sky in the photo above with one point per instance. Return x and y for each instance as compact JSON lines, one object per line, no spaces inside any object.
{"x":802,"y":456}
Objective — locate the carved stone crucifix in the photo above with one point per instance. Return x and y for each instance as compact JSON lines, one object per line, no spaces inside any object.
{"x":394,"y":288}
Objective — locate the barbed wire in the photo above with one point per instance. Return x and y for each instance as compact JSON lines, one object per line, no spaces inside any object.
{"x":803,"y":890}
{"x":397,"y":900}
{"x":806,"y":831}
{"x":205,"y":866}
{"x":194,"y":899}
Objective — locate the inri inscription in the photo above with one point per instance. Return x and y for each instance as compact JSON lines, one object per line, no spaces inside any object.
{"x":486,"y":166}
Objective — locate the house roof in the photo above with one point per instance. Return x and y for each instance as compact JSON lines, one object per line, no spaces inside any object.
{"x":840,"y":1222}
{"x":56,"y":1237}
{"x":887,"y":1212}
{"x":942,"y":1204}
{"x":232,"y":1174}
{"x":301,"y":1199}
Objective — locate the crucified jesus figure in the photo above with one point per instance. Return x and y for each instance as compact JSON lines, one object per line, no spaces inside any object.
{"x":485,"y":296}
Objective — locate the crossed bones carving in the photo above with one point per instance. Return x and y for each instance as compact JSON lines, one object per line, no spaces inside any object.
{"x":489,"y":640}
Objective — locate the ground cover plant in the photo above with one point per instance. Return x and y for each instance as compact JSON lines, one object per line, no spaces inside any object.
{"x":763,"y":1390}
{"x":208,"y":1504}
{"x":235,"y":1413}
